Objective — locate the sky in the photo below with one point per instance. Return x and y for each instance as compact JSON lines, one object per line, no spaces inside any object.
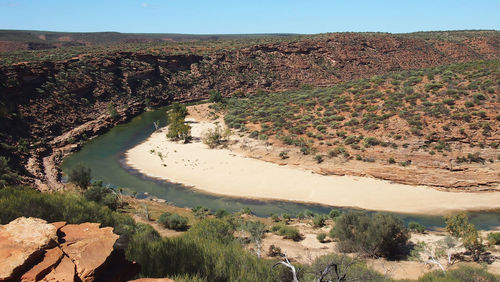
{"x":249,"y":16}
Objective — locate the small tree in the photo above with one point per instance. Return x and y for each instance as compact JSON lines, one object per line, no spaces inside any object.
{"x":256,"y":229}
{"x":431,"y":253}
{"x":376,"y":234}
{"x":80,"y":176}
{"x":459,"y":227}
{"x":177,"y":127}
{"x":427,"y":254}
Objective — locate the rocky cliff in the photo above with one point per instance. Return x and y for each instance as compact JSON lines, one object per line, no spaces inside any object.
{"x":43,"y":100}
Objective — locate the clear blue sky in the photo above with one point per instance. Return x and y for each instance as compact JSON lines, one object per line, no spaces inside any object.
{"x":249,"y":16}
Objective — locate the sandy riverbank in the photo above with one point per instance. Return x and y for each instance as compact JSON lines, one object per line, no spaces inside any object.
{"x":221,"y":171}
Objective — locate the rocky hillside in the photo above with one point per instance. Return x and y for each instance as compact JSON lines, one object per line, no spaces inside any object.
{"x":44,"y":95}
{"x":439,"y":125}
{"x":32,"y":250}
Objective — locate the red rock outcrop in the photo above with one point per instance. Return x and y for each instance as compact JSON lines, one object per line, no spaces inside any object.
{"x":33,"y":250}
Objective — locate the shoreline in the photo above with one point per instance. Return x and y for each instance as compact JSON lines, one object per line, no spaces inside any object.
{"x":227,"y":173}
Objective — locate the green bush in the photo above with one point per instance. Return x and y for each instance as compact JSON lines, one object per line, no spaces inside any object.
{"x":102,"y":195}
{"x":215,"y":96}
{"x":463,"y":273}
{"x":69,"y":207}
{"x":288,"y":232}
{"x":216,"y":137}
{"x":319,"y":158}
{"x":321,"y":237}
{"x":208,"y":251}
{"x":275,"y":217}
{"x":334,"y":213}
{"x":173,"y":221}
{"x":112,"y":111}
{"x":414,"y":226}
{"x":494,"y":238}
{"x":376,"y":234}
{"x":318,"y":221}
{"x":221,"y":213}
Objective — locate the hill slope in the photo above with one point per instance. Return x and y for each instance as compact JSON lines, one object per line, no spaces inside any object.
{"x":443,"y":122}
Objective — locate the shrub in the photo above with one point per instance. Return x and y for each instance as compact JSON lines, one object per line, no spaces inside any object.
{"x":207,"y":251}
{"x":319,"y":158}
{"x":376,"y":234}
{"x":346,"y":269}
{"x":371,"y":141}
{"x":321,"y":237}
{"x":102,"y":195}
{"x":216,"y":137}
{"x":221,"y":213}
{"x":494,"y":238}
{"x":318,"y":221}
{"x":215,"y":96}
{"x":334,"y":214}
{"x":463,"y":273}
{"x":288,"y":232}
{"x":201,"y":212}
{"x":391,"y":161}
{"x":173,"y":221}
{"x":112,"y":111}
{"x":286,"y":217}
{"x":70,"y":207}
{"x":80,"y":176}
{"x":274,"y":251}
{"x":308,"y":213}
{"x":284,"y":155}
{"x":414,"y":226}
{"x":275,"y":217}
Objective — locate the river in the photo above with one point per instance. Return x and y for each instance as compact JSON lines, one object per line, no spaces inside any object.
{"x":105,"y":156}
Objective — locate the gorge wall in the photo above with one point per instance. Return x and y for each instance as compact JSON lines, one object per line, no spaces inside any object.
{"x":46,"y":106}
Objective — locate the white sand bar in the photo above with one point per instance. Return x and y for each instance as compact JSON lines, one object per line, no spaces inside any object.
{"x":224,"y":172}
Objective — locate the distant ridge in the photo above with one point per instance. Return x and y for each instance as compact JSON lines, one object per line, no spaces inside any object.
{"x":16,"y":40}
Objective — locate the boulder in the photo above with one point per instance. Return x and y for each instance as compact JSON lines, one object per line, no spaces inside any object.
{"x":33,"y":250}
{"x":22,"y":242}
{"x":50,"y":260}
{"x":88,"y":246}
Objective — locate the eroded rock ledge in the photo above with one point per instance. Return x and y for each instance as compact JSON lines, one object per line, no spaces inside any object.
{"x":33,"y":250}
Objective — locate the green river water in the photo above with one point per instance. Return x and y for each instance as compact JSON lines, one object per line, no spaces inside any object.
{"x":105,"y":156}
